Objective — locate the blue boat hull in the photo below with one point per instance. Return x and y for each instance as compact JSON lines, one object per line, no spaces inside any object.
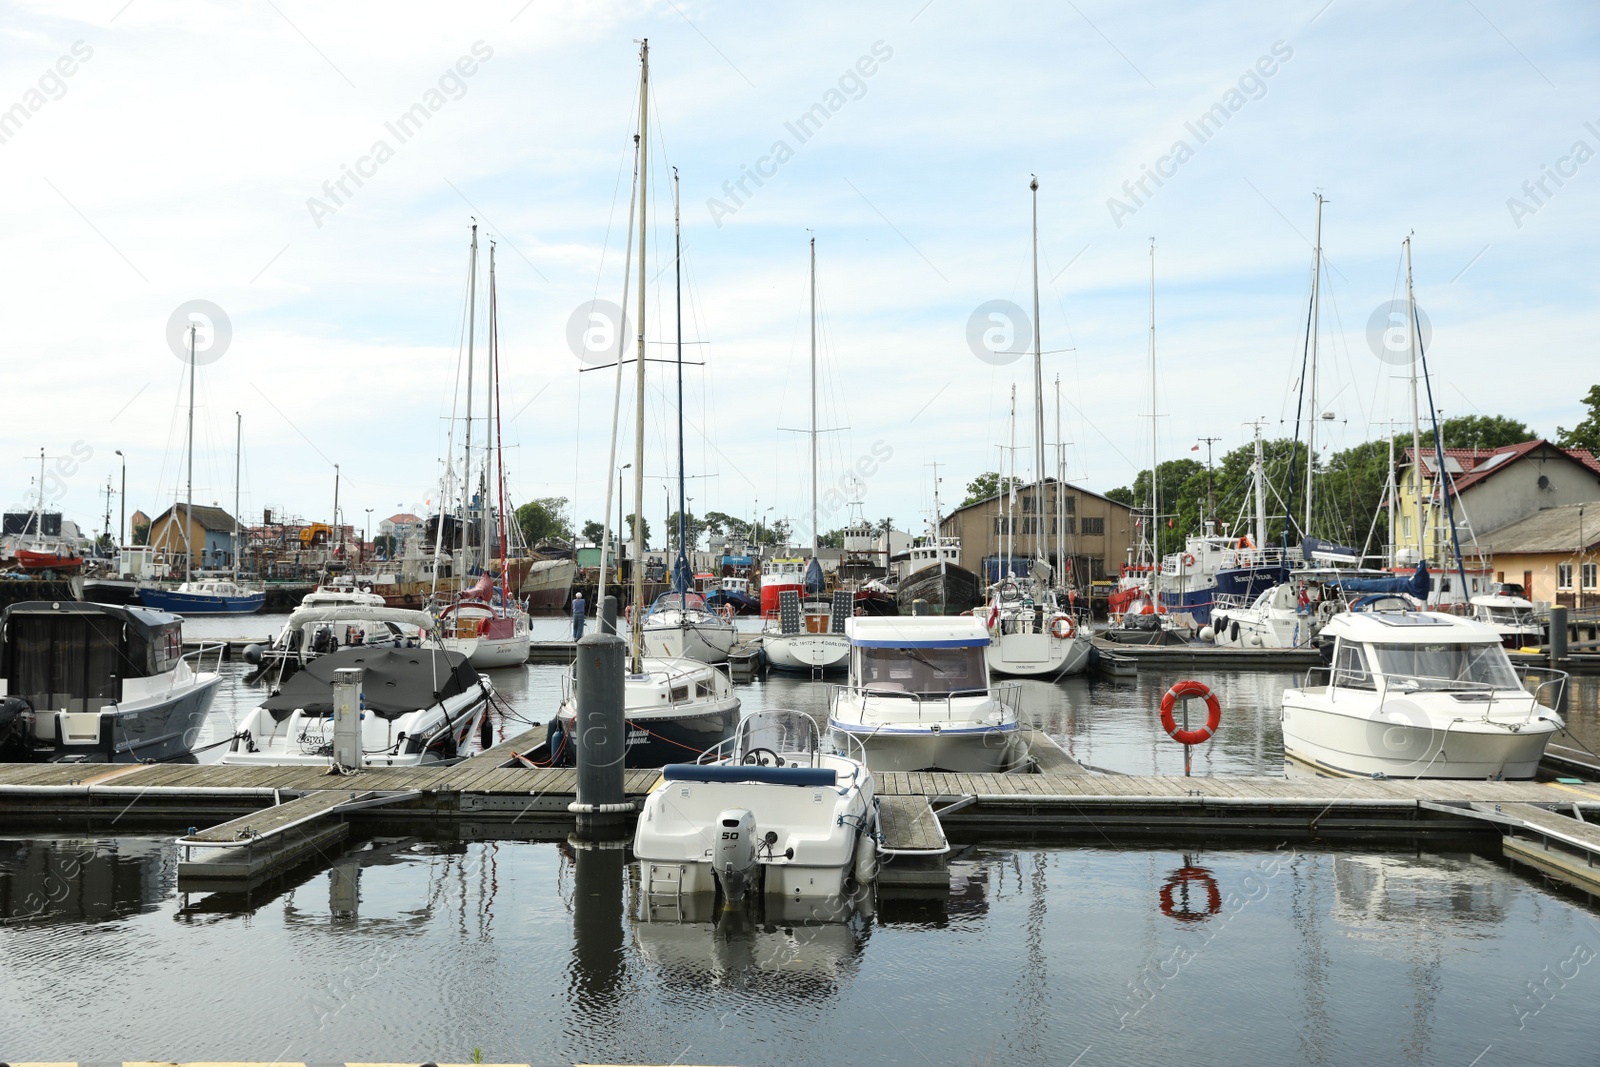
{"x":198,"y":604}
{"x":1246,"y":582}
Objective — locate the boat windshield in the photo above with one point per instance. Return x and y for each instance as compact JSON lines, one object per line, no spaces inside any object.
{"x":1445,"y":667}
{"x":922,"y":670}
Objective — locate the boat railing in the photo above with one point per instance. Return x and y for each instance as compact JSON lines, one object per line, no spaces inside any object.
{"x":198,"y":667}
{"x":1007,"y":694}
{"x":1230,"y":602}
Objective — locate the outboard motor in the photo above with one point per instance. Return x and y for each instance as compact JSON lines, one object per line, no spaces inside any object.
{"x":16,"y":721}
{"x":734,"y":857}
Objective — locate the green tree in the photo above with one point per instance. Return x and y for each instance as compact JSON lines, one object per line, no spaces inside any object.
{"x":384,"y":545}
{"x":831,"y":539}
{"x":987,"y":485}
{"x":594,"y":532}
{"x":692,"y":528}
{"x":1587,"y":433}
{"x":644,"y":529}
{"x":719,"y":522}
{"x":141,"y":533}
{"x":1122,"y":495}
{"x":1479,"y":431}
{"x":546,"y":517}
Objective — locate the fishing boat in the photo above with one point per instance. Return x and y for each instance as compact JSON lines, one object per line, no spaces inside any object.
{"x":485,"y":623}
{"x":767,"y":813}
{"x":1415,"y":694}
{"x":919,"y":698}
{"x":934,"y":575}
{"x":733,"y":594}
{"x":99,"y":683}
{"x":418,"y":707}
{"x":777,"y":575}
{"x":674,"y":708}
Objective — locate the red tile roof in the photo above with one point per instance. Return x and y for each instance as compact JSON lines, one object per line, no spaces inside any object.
{"x":1475,"y":464}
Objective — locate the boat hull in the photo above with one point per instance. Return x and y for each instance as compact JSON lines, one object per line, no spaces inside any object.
{"x":1037,"y":654}
{"x":959,"y":750}
{"x":657,"y":739}
{"x":141,"y":730}
{"x":947,"y":589}
{"x":806,"y":653}
{"x":490,"y":652}
{"x":707,"y":644}
{"x":199,"y":603}
{"x":548,"y":584}
{"x":1400,"y":745}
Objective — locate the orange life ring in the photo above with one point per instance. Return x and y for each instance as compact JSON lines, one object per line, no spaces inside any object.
{"x":1184,"y":689}
{"x":1188,"y":559}
{"x":1062,"y":628}
{"x":1183,"y":878}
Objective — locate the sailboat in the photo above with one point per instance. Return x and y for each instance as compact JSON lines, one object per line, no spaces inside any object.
{"x":206,"y":596}
{"x":1032,"y":630}
{"x":674,"y":708}
{"x":485,"y":623}
{"x":807,"y":634}
{"x":680,"y":623}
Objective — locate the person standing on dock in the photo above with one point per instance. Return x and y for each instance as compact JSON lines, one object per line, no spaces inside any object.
{"x":578,"y":610}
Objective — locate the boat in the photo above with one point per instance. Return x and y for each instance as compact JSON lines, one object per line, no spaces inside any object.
{"x":934,"y":575}
{"x":778,"y":574}
{"x":767,"y":813}
{"x":40,"y":540}
{"x":484,"y":623}
{"x":327,"y":624}
{"x":547,"y":585}
{"x":733,"y":594}
{"x":60,"y":558}
{"x":1417,"y":694}
{"x":683,"y":625}
{"x":674,"y":709}
{"x":919,"y":698}
{"x":99,"y":683}
{"x":419,"y":707}
{"x":1512,"y":617}
{"x":203,"y":596}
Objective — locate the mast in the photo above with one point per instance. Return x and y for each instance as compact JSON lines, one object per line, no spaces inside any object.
{"x":188,"y":507}
{"x":238,"y":446}
{"x":494,"y":397}
{"x":681,"y":572}
{"x":814,"y":533}
{"x":466,"y":457}
{"x":1390,"y":491}
{"x":616,"y":403}
{"x":1311,"y":378}
{"x":1011,"y":487}
{"x":1038,"y":391}
{"x":1416,"y":423}
{"x":1260,"y":480}
{"x":1060,"y":502}
{"x":639,"y":381}
{"x":1155,"y":518}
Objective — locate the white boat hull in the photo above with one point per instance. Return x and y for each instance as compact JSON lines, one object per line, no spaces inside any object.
{"x":959,"y":750}
{"x":489,"y":652}
{"x":1030,"y":655}
{"x":1400,"y":741}
{"x":806,"y":652}
{"x":707,"y":644}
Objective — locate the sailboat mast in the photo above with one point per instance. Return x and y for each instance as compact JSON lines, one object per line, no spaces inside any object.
{"x":1416,"y":422}
{"x":814,"y":533}
{"x":1260,"y":480}
{"x":1311,"y":378}
{"x":677,"y":285}
{"x":494,"y":397}
{"x":1390,"y":492}
{"x":238,"y":446}
{"x":1060,"y":501}
{"x":1155,"y":519}
{"x":466,"y":458}
{"x":1011,"y":484}
{"x":188,"y":507}
{"x":639,"y":380}
{"x":1039,"y":511}
{"x":616,"y":405}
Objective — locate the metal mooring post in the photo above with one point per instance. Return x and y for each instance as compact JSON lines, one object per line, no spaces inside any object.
{"x":601,"y":736}
{"x":1188,"y":749}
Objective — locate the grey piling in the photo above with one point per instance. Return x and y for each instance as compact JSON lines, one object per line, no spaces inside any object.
{"x":608,"y":615}
{"x":601,"y":741}
{"x":919,"y":607}
{"x":1558,"y":636}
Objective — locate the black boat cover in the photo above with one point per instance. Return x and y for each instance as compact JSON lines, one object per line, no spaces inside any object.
{"x":395,"y":682}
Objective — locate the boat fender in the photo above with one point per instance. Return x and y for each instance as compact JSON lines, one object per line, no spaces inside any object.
{"x":1183,"y":690}
{"x":251,"y":655}
{"x":866,"y":864}
{"x":1062,"y":628}
{"x":1233,"y":631}
{"x":1207,"y":634}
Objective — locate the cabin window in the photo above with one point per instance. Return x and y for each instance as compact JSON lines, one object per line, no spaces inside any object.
{"x":1563,"y":576}
{"x":65,"y":662}
{"x":1445,"y":667}
{"x":1350,"y":668}
{"x":679,"y":694}
{"x":1589,"y":575}
{"x":923,"y":670}
{"x":1093,"y":526}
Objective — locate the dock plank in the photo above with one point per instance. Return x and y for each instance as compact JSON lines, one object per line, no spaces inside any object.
{"x":274,"y":819}
{"x":909,"y":824}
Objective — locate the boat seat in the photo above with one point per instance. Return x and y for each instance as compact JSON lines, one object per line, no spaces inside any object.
{"x":749,"y":772}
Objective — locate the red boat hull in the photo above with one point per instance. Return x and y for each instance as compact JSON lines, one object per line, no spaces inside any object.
{"x":30,"y":560}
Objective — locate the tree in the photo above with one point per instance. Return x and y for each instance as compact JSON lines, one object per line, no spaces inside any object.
{"x":644,"y":529}
{"x":141,"y":533}
{"x":594,"y":532}
{"x":1587,"y":433}
{"x":987,"y":485}
{"x":1479,"y":431}
{"x":546,"y":517}
{"x":719,"y":522}
{"x":692,"y":528}
{"x":831,"y":539}
{"x":1122,"y":495}
{"x":385,"y":545}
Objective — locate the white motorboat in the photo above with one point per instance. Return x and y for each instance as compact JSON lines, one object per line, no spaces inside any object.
{"x":682,"y":626}
{"x":919,"y":697}
{"x":675,"y":709}
{"x":808,"y":635}
{"x":82,"y":682}
{"x":767,"y":813}
{"x":336,"y":621}
{"x":1032,"y":635}
{"x":1509,"y":616}
{"x":420,"y":706}
{"x":1415,"y":694}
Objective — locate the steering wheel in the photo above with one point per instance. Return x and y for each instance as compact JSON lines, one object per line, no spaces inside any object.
{"x":756,"y":757}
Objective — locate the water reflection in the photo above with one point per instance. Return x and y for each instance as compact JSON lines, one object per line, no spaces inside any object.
{"x":72,"y":880}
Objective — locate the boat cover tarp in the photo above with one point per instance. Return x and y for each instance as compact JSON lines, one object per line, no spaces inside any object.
{"x":749,"y":772}
{"x":395,"y":681}
{"x":814,"y":581}
{"x":1417,"y":584}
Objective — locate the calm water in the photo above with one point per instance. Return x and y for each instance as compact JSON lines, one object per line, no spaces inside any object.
{"x":408,"y":950}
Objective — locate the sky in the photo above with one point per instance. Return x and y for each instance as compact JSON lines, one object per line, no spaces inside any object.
{"x":300,"y":180}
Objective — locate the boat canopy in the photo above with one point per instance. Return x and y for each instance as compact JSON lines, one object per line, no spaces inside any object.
{"x":74,"y":654}
{"x":360,"y":613}
{"x":917,"y":631}
{"x":395,"y":681}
